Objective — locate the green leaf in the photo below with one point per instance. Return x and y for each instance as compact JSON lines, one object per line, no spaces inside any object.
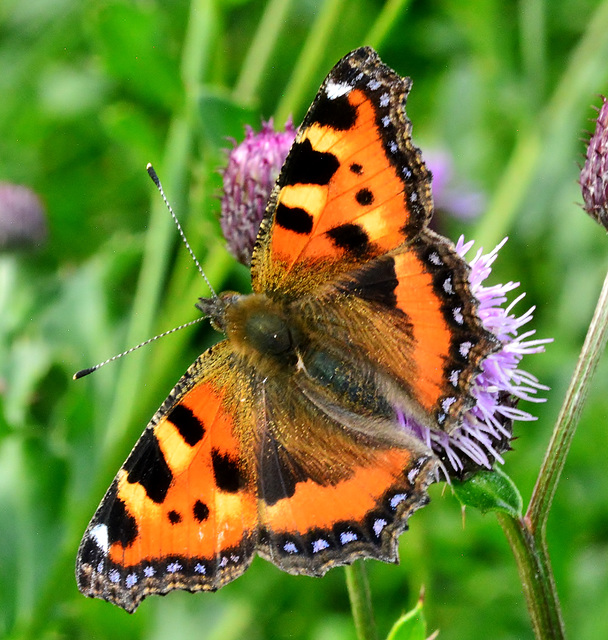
{"x":490,"y":491}
{"x":411,"y":625}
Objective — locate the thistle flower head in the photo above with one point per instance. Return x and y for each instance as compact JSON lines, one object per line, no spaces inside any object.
{"x":594,"y":175}
{"x":253,"y":167}
{"x":22,"y":218}
{"x":486,"y":429}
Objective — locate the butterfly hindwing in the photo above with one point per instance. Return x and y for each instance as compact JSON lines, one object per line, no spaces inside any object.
{"x":326,"y":505}
{"x":411,"y":317}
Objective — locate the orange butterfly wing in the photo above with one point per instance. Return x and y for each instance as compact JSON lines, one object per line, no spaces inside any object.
{"x":182,"y":511}
{"x":353,"y":186}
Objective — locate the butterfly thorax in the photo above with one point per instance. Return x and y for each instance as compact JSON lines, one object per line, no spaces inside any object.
{"x":254,"y":324}
{"x":277,"y":342}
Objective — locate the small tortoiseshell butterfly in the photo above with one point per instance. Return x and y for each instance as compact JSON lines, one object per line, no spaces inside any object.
{"x":282,"y":439}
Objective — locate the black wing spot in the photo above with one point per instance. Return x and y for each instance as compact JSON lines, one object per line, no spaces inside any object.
{"x":226,"y":471}
{"x":356,"y":168}
{"x":174,"y":517}
{"x":308,"y":166}
{"x":122,"y":526}
{"x":364,"y":197}
{"x":293,"y":219}
{"x":147,"y":466}
{"x":200,"y":511}
{"x":352,"y":238}
{"x":189,"y":426}
{"x":376,"y":282}
{"x":337,"y":113}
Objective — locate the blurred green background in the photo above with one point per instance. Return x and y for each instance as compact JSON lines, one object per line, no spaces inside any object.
{"x":90,"y":91}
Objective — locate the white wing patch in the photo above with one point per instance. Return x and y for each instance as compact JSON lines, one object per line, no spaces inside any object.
{"x":99,"y":534}
{"x":337,"y":89}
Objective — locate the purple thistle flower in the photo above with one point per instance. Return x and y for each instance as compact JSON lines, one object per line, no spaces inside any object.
{"x":253,"y":167}
{"x":486,"y":428}
{"x":22,"y":218}
{"x":594,"y":175}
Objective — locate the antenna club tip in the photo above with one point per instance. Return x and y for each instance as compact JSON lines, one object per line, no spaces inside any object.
{"x":82,"y":373}
{"x":152,"y":174}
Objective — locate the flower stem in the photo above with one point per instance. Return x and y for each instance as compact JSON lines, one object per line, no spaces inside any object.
{"x":319,"y":38}
{"x":361,"y":601}
{"x":557,"y":123}
{"x":569,"y":415}
{"x":386,"y":20}
{"x":265,"y":39}
{"x":536,"y":577}
{"x":527,"y":535}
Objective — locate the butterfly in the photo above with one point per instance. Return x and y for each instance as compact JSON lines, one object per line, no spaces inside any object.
{"x":282,"y":439}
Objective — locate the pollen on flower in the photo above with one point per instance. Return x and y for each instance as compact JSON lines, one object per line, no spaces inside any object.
{"x":252,"y":169}
{"x":594,"y":174}
{"x":486,"y":428}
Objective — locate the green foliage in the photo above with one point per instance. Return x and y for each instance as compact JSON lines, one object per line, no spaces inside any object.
{"x":91,"y":92}
{"x":490,"y":491}
{"x":411,"y":625}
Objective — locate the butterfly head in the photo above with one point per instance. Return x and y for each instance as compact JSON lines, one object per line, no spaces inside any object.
{"x":215,"y":308}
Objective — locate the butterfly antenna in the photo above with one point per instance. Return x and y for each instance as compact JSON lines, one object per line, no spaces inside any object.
{"x":85,"y":372}
{"x":152,"y":173}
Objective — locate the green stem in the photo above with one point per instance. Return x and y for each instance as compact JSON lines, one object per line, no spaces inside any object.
{"x":309,"y":58}
{"x":536,"y":578}
{"x":385,"y":21}
{"x":559,"y":121}
{"x":553,"y":464}
{"x":527,"y":536}
{"x":265,"y":39}
{"x":533,"y":47}
{"x":361,"y":601}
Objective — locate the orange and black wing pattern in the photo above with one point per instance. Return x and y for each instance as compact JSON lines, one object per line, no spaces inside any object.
{"x":353,"y":187}
{"x":182,"y":511}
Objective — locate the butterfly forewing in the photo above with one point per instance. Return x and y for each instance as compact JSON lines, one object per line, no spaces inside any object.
{"x":182,"y":511}
{"x":353,"y":186}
